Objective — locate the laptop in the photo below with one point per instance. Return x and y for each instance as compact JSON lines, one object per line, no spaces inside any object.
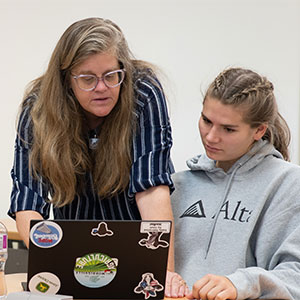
{"x":99,"y":259}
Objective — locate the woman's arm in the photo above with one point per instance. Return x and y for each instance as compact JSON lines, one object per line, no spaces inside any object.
{"x":155,"y":204}
{"x":23,"y":223}
{"x":29,"y":195}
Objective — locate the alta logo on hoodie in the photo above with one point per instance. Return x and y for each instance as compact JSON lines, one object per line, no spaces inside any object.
{"x":230,"y":212}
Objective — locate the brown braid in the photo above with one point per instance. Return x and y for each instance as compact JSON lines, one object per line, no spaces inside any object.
{"x":254,"y":93}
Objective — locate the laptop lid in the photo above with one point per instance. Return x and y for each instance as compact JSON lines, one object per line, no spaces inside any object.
{"x":99,"y":259}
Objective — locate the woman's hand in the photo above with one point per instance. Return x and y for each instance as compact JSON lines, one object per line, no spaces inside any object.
{"x":213,"y":287}
{"x":175,"y":286}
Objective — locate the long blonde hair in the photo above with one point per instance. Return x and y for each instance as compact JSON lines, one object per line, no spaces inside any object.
{"x":254,"y":94}
{"x":59,"y":152}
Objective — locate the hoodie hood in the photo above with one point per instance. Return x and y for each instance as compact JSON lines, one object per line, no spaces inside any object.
{"x":251,"y":159}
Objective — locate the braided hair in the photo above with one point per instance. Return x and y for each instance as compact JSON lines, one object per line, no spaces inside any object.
{"x":254,"y":95}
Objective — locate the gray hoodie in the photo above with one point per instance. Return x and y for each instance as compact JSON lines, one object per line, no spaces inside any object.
{"x":243,"y":224}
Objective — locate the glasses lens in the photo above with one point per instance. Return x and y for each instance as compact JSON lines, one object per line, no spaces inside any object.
{"x":113,"y":78}
{"x":87,"y":82}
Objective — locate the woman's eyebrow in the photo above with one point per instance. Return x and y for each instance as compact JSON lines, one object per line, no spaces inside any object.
{"x":87,"y":71}
{"x":230,"y":125}
{"x":224,"y":125}
{"x":203,"y":115}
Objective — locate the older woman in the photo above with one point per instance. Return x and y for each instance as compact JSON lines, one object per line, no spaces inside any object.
{"x":94,"y":136}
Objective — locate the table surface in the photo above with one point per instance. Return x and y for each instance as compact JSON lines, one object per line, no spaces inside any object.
{"x":12,"y":231}
{"x":13,"y":282}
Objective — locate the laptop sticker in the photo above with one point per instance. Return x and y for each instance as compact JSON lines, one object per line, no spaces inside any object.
{"x":44,"y":283}
{"x":102,"y":230}
{"x":95,"y":270}
{"x":46,"y":234}
{"x":154,"y":230}
{"x":153,"y":241}
{"x":148,"y":286}
{"x":148,"y":226}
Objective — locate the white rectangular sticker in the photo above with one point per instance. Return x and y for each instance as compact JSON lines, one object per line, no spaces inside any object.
{"x":155,"y":227}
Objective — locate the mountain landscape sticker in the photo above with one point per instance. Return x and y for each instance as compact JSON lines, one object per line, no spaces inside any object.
{"x":95,"y":270}
{"x":46,"y":234}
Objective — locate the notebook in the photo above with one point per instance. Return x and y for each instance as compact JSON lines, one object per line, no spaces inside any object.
{"x":99,"y":259}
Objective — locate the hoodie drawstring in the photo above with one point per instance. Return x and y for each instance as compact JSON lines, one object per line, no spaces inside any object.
{"x":227,"y":189}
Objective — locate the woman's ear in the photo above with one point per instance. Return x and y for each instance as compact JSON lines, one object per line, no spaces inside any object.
{"x":260,"y":131}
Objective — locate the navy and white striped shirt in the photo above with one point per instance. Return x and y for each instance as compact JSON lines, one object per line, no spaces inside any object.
{"x":151,"y":166}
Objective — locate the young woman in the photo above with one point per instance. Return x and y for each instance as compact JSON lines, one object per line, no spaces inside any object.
{"x":237,"y":209}
{"x":94,"y":135}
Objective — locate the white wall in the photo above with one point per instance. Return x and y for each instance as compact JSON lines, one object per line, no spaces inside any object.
{"x":190,"y":40}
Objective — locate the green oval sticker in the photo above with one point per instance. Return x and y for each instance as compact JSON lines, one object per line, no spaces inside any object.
{"x":95,"y":270}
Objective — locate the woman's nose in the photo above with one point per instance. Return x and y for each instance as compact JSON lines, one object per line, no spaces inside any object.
{"x":101,"y":86}
{"x":213,"y":135}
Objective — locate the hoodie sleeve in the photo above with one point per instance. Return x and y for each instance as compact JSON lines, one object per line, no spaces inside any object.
{"x":276,"y":247}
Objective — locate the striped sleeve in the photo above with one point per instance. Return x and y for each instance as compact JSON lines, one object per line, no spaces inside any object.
{"x":152,"y":165}
{"x":27,"y":193}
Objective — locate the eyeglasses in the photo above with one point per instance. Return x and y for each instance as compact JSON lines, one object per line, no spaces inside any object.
{"x":89,"y":82}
